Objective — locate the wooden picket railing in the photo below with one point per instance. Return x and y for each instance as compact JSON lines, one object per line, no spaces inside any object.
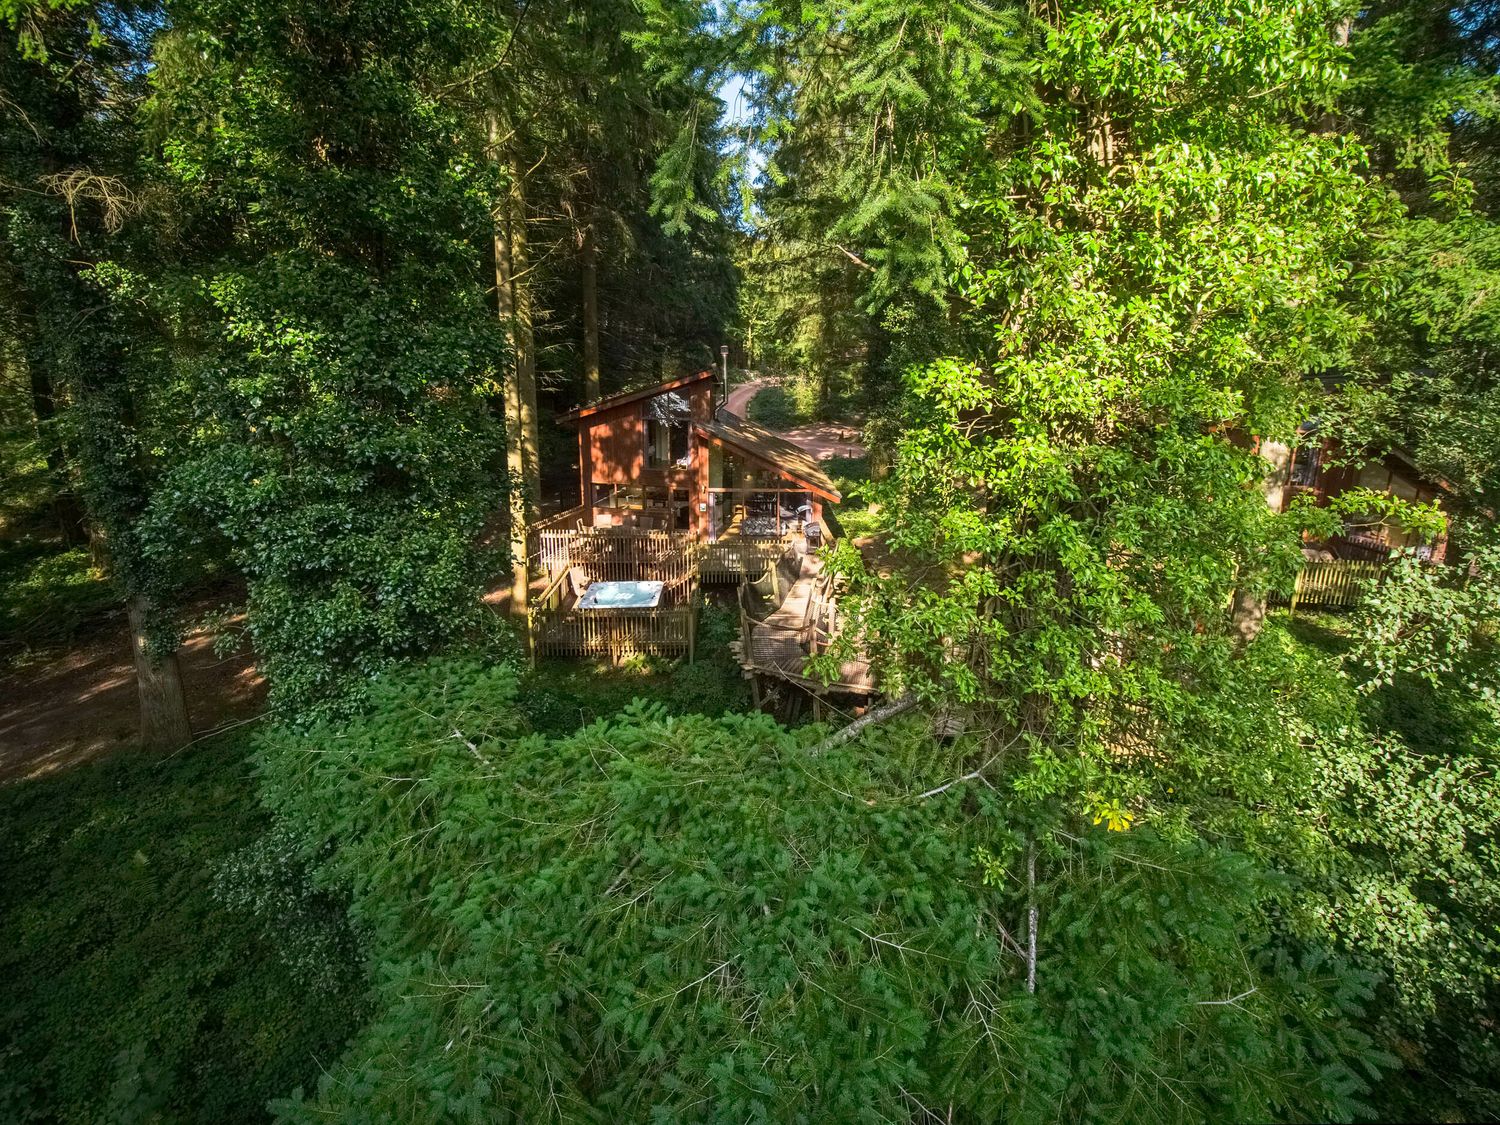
{"x":557,"y":627}
{"x":616,"y":634}
{"x":609,"y":554}
{"x":548,"y":531}
{"x":727,"y":560}
{"x":630,"y":554}
{"x":1337,"y":584}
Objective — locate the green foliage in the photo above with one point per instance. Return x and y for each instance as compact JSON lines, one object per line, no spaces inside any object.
{"x":344,"y":453}
{"x":558,"y":697}
{"x":47,"y":596}
{"x":1152,"y":269}
{"x":137,"y":983}
{"x":852,"y":513}
{"x":777,"y":409}
{"x":69,"y":175}
{"x":871,"y":115}
{"x":658,"y":917}
{"x":22,"y":460}
{"x":1379,"y":807}
{"x":1435,"y":622}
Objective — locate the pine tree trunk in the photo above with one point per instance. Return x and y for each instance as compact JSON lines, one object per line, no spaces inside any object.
{"x":589,"y":279}
{"x":524,"y":340}
{"x":515,"y":440}
{"x":164,"y":713}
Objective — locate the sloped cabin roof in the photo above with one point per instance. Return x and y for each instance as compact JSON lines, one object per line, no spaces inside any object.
{"x":624,"y":398}
{"x":761,"y":443}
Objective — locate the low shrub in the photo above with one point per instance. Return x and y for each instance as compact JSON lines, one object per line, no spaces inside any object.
{"x":775,"y":408}
{"x":47,"y":596}
{"x":137,"y":980}
{"x":668,"y":918}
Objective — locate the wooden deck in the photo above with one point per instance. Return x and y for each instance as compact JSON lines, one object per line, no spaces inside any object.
{"x":778,"y":645}
{"x":631,"y":553}
{"x":794,"y":616}
{"x":556,"y":626}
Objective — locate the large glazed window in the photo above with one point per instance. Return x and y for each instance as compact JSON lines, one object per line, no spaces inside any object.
{"x":668,"y":420}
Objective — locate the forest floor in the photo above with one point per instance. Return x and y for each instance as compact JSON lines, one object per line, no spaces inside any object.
{"x":72,"y":703}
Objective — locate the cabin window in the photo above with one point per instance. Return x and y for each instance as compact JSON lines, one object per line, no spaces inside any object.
{"x":668,"y":418}
{"x":622,"y":496}
{"x":1305,"y":464}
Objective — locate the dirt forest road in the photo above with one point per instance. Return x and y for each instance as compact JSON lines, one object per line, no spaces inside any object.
{"x":739,"y":398}
{"x":822,"y":439}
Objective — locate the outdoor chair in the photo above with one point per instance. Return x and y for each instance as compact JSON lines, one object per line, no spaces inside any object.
{"x":579,"y":581}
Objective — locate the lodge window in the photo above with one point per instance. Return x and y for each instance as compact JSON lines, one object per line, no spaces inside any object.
{"x":1305,"y":463}
{"x":649,"y":508}
{"x":668,"y":418}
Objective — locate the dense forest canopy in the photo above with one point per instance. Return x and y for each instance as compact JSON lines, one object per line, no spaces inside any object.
{"x":290,"y":295}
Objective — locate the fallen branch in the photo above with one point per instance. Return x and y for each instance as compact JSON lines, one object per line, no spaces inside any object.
{"x":1031,"y":918}
{"x":855,"y":258}
{"x":1232,"y":1000}
{"x":970,"y":776}
{"x":855,"y":729}
{"x":458,"y":734}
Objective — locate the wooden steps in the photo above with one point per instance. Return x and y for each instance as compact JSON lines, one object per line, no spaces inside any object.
{"x":780,"y":644}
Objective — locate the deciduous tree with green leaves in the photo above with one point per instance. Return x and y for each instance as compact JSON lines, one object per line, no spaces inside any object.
{"x":335,"y":349}
{"x":72,"y":200}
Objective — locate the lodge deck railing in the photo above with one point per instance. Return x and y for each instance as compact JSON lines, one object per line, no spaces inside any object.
{"x":556,"y":626}
{"x":609,"y":554}
{"x":728,"y":560}
{"x":568,"y":558}
{"x":549,"y":532}
{"x":630,"y":554}
{"x":616,"y":634}
{"x":1336,"y":584}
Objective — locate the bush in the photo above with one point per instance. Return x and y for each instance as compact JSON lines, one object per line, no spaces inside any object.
{"x":558,"y":696}
{"x":129,"y":989}
{"x":776,"y":409}
{"x":46,"y":595}
{"x":669,"y":918}
{"x":1379,"y":807}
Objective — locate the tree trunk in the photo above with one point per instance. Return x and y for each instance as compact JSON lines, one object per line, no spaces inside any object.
{"x":1247,"y":614}
{"x":523,"y":338}
{"x":164,"y":713}
{"x":588,"y":255}
{"x":515,"y":425}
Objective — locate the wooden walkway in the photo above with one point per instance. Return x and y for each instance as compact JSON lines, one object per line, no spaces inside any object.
{"x":777,"y":642}
{"x":779,"y":645}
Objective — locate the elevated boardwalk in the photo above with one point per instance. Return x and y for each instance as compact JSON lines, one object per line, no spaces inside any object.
{"x":775,"y":646}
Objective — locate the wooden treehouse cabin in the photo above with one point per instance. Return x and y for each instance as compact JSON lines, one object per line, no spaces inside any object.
{"x":668,"y":458}
{"x":1314,"y":469}
{"x":674,"y":492}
